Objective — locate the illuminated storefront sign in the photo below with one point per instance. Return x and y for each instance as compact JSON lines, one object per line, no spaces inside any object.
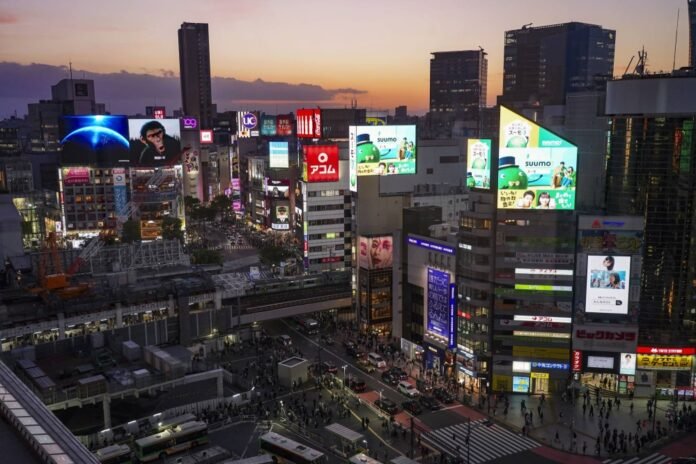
{"x":577,"y":361}
{"x":431,"y":245}
{"x":321,"y":163}
{"x":189,"y":123}
{"x":544,"y":288}
{"x":544,"y":272}
{"x":521,"y":366}
{"x":550,"y":366}
{"x":540,"y":375}
{"x":674,"y":362}
{"x":665,"y":350}
{"x":564,"y":320}
{"x":520,"y":384}
{"x":535,"y":352}
{"x":526,"y":333}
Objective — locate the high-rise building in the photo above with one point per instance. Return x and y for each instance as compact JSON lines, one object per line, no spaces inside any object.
{"x":544,"y":64}
{"x":194,"y":68}
{"x":692,"y":32}
{"x":458,"y":82}
{"x":650,"y":173}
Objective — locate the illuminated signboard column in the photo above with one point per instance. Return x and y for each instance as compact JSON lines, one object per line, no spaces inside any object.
{"x":534,"y":252}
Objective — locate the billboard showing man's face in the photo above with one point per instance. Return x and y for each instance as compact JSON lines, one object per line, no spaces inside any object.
{"x":154,"y":142}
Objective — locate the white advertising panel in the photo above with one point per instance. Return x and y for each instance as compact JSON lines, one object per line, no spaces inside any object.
{"x":608,"y":279}
{"x":600,"y":362}
{"x":628,"y":364}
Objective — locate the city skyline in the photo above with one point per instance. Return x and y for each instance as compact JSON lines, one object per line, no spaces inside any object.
{"x":281,"y":46}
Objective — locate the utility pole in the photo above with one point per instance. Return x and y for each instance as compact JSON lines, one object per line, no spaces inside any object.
{"x":412,"y":433}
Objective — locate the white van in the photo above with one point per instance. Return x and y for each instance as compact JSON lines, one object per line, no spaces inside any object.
{"x":376,"y":360}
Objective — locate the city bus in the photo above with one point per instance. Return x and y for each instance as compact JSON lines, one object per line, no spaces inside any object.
{"x":174,"y":421}
{"x":289,"y":451}
{"x":180,"y":438}
{"x":114,"y":454}
{"x":362,"y":458}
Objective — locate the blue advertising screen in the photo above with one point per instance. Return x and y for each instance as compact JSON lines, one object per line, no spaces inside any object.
{"x":94,"y":139}
{"x":438,"y":302}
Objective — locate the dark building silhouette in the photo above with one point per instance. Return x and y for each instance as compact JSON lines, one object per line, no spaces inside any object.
{"x":194,"y":67}
{"x":692,"y":32}
{"x":651,"y":173}
{"x":458,"y":83}
{"x":543,"y":64}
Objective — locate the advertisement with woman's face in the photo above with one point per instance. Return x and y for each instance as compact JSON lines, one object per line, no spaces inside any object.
{"x":375,"y":252}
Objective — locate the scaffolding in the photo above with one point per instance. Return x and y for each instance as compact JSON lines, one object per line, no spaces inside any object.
{"x":146,"y":255}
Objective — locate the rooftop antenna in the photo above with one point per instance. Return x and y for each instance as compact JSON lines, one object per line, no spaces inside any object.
{"x":628,"y":66}
{"x":642,"y":62}
{"x":676,"y":35}
{"x":526,"y":25}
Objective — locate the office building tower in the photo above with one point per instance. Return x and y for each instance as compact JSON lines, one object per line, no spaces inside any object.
{"x":692,"y":32}
{"x":650,"y":173}
{"x":194,"y":68}
{"x":544,"y":64}
{"x":457,"y":92}
{"x":458,"y":83}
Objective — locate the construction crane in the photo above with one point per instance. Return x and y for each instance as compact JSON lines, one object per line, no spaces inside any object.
{"x":53,"y":279}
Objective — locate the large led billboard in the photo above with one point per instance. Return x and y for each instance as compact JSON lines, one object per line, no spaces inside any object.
{"x":278,"y":153}
{"x":608,"y":280}
{"x":94,"y":139}
{"x":375,"y":252}
{"x":536,"y":168}
{"x":154,"y":142}
{"x":284,"y":125}
{"x":320,"y":163}
{"x":382,"y":150}
{"x":438,"y":303}
{"x":268,"y":125}
{"x":280,"y":216}
{"x":478,"y":163}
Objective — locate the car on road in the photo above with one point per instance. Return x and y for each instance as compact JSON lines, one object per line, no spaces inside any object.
{"x":390,"y":378}
{"x":407,"y":389}
{"x":376,"y":360}
{"x":412,"y":406}
{"x":387,"y":406}
{"x":357,"y":385}
{"x":326,"y":339}
{"x":365,"y":366}
{"x":398,"y":372}
{"x":429,"y":403}
{"x":348,"y":344}
{"x":443,"y":395}
{"x":284,"y":340}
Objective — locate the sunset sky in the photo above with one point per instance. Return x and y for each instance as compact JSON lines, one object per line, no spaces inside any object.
{"x":381,"y":47}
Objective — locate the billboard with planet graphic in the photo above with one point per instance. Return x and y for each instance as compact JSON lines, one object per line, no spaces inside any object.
{"x":537,"y":169}
{"x":90,"y":139}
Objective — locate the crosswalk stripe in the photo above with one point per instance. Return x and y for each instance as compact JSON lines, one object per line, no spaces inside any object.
{"x":655,"y":458}
{"x":487,"y":442}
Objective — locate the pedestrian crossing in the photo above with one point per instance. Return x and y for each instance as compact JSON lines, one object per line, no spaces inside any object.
{"x":487,"y":442}
{"x":655,"y":458}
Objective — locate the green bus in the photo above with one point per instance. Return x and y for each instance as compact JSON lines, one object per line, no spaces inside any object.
{"x":172,"y":441}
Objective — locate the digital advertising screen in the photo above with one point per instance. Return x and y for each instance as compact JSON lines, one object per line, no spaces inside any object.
{"x":520,"y":384}
{"x":277,"y":188}
{"x":76,"y":175}
{"x":280,"y":218}
{"x":375,"y":252}
{"x":608,"y":280}
{"x":382,"y":150}
{"x":600,"y":362}
{"x":536,"y":168}
{"x":437,"y":302}
{"x":284,"y":125}
{"x":320,"y":163}
{"x":189,"y":123}
{"x":627,"y":364}
{"x":278,"y":153}
{"x":268,"y":125}
{"x":478,"y":163}
{"x":94,"y":139}
{"x":154,"y":142}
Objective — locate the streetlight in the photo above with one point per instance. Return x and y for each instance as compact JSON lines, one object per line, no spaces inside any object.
{"x":344,"y":375}
{"x":380,"y":396}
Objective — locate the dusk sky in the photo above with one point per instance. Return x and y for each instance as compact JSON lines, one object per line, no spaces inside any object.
{"x":380,"y":48}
